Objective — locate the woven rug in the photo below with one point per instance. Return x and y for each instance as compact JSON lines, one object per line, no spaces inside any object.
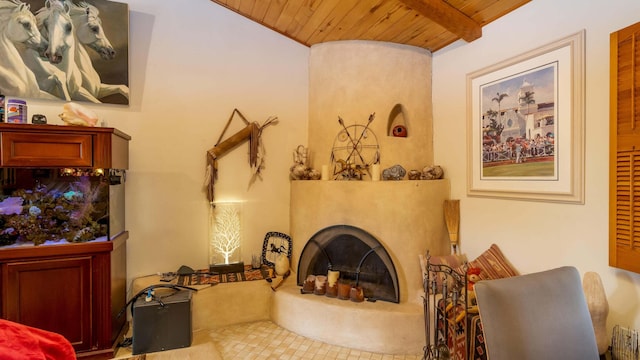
{"x":202,"y":277}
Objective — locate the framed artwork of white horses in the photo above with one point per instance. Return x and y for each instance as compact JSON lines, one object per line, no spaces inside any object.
{"x":65,"y":50}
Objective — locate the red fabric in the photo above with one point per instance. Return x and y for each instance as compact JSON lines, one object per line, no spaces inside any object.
{"x":21,"y":342}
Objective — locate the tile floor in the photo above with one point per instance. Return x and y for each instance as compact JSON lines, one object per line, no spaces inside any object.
{"x":264,"y":340}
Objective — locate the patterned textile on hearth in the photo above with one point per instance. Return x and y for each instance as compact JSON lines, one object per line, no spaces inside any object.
{"x":203,"y":277}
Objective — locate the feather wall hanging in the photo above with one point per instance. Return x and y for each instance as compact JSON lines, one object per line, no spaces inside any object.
{"x":251,"y":132}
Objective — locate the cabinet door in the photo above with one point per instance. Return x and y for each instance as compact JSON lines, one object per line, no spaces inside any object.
{"x":624,"y":152}
{"x":54,"y":295}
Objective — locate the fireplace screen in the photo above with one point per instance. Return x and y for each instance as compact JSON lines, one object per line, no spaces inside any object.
{"x":359,"y":257}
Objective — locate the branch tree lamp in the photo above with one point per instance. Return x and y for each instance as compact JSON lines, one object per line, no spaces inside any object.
{"x":225,"y":237}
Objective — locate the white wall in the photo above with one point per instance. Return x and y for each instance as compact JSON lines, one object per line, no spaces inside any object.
{"x":191,"y":64}
{"x":537,"y":235}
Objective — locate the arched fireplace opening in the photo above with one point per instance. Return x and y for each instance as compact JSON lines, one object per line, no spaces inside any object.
{"x":359,"y":257}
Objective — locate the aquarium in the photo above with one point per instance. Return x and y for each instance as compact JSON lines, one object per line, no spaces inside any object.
{"x":53,"y":206}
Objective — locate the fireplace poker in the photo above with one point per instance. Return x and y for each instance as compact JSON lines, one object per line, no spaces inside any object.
{"x":284,"y":277}
{"x":372,"y":250}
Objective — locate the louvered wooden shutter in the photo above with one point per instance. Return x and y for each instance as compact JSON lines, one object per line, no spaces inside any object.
{"x":624,"y":186}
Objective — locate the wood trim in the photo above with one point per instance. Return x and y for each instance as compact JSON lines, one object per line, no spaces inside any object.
{"x":429,"y":24}
{"x":45,"y":251}
{"x":448,"y":17}
{"x":613,"y":144}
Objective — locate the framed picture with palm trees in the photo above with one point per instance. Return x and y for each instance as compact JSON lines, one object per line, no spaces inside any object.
{"x":526,"y":125}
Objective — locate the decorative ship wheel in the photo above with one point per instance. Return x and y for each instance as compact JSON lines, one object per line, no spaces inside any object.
{"x":355,"y":149}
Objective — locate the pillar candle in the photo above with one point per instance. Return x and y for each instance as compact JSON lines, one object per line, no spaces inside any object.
{"x":375,"y":172}
{"x":325,"y":172}
{"x":332,"y":278}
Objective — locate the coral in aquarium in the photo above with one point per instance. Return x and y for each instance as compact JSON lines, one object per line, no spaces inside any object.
{"x":72,"y":211}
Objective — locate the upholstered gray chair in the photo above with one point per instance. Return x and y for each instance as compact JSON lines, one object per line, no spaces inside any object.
{"x":537,"y":316}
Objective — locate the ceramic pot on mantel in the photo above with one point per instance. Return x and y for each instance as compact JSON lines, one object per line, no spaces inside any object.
{"x":282,"y":264}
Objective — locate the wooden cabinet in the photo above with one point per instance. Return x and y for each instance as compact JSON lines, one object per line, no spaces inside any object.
{"x":624,"y":151}
{"x":26,"y":145}
{"x":34,"y":287}
{"x":74,"y":289}
{"x":67,"y":289}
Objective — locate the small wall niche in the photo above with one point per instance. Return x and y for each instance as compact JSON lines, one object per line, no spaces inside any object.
{"x":397,"y":124}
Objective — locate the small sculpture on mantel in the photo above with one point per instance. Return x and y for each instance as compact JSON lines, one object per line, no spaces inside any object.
{"x":428,"y":173}
{"x":396,"y":172}
{"x":300,"y":169}
{"x":432,"y":173}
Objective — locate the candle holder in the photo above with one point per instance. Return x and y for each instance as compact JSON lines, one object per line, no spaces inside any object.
{"x":344,"y":289}
{"x":356,"y":294}
{"x":309,"y":284}
{"x":321,"y":285}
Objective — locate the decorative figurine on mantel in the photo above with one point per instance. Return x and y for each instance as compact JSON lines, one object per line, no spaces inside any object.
{"x":396,"y":172}
{"x":300,"y":169}
{"x":355,"y":150}
{"x":428,"y":173}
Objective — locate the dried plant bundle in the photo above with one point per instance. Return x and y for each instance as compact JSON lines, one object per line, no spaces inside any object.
{"x":452,"y":219}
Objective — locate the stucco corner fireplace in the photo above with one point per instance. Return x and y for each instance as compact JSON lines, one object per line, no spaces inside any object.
{"x":370,"y":231}
{"x":406,"y":218}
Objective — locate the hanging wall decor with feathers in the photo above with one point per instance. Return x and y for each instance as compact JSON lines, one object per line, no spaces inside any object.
{"x":252,"y":132}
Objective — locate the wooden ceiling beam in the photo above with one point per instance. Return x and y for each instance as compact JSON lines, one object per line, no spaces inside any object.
{"x":448,"y":17}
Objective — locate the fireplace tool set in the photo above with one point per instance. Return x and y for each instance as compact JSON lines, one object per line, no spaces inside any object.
{"x":447,"y":326}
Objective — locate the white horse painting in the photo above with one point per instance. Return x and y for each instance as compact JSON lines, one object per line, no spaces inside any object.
{"x":66,"y":69}
{"x":18,"y":27}
{"x":89,"y":33}
{"x":50,"y":71}
{"x":55,"y":24}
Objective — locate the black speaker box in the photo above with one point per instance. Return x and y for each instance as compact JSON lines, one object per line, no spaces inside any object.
{"x":163,"y":323}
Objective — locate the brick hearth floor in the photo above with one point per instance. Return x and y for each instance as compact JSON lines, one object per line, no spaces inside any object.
{"x":261,"y":340}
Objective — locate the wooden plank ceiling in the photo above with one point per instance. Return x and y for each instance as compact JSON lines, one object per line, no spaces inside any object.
{"x":430,"y":24}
